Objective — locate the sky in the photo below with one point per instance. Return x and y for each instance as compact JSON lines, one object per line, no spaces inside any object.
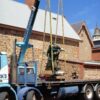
{"x":78,"y":10}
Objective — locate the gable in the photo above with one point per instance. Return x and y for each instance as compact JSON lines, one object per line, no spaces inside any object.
{"x":87,"y":34}
{"x":82,"y":26}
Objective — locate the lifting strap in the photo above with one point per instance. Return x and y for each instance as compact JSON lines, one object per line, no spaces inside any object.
{"x":62,"y":10}
{"x":44,"y":35}
{"x":49,"y":5}
{"x":60,"y":4}
{"x":57,"y":21}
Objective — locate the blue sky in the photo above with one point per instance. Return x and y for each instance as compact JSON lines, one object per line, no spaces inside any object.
{"x":78,"y":10}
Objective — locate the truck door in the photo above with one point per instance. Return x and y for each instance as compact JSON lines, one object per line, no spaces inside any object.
{"x":4,"y":68}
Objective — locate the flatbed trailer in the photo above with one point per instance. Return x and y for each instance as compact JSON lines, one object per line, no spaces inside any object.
{"x":18,"y":84}
{"x":58,"y":90}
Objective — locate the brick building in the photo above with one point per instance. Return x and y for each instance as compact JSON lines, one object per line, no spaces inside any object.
{"x":13,"y":21}
{"x":96,"y":53}
{"x":86,"y":45}
{"x":91,"y":67}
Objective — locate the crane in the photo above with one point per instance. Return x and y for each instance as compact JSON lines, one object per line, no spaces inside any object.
{"x":25,"y":44}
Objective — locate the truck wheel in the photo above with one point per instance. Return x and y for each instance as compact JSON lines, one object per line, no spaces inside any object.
{"x":97,"y":93}
{"x":31,"y":96}
{"x":4,"y":96}
{"x":89,"y":93}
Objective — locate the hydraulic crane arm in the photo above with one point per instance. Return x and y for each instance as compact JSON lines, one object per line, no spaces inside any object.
{"x":25,"y":44}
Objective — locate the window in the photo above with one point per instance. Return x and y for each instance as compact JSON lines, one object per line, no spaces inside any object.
{"x":30,"y":71}
{"x":21,"y":70}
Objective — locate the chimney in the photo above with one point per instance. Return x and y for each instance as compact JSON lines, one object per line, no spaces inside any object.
{"x":30,"y":3}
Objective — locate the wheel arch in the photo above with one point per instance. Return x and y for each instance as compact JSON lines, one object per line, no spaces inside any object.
{"x":23,"y":91}
{"x":9,"y":89}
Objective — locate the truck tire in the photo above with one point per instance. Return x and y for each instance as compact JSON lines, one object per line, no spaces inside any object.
{"x":7,"y":95}
{"x":31,"y":95}
{"x":97,"y":93}
{"x":89,"y":93}
{"x":4,"y":96}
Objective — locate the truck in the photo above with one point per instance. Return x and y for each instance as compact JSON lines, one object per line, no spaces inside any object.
{"x":20,"y":80}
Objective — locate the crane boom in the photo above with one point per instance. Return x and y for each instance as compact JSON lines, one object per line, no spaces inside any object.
{"x":25,"y":44}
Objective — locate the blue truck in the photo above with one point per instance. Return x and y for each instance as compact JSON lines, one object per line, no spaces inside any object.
{"x":20,"y":81}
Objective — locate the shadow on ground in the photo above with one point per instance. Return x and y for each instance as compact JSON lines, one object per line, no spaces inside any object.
{"x":75,"y":98}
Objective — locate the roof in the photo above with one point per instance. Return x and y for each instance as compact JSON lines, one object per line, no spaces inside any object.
{"x":16,"y":14}
{"x":78,"y":26}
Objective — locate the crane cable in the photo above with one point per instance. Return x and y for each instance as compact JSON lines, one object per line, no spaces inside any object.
{"x":62,"y":20}
{"x":57,"y":21}
{"x":44,"y":35}
{"x":60,"y":5}
{"x":49,"y":5}
{"x":61,"y":2}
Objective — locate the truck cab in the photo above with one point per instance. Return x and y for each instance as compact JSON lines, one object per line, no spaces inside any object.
{"x":27,"y":73}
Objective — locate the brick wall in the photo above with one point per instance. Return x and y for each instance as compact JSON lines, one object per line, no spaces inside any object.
{"x":85,"y":52}
{"x":72,"y":67}
{"x":71,"y":47}
{"x":91,"y":72}
{"x":7,"y":37}
{"x":96,"y":54}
